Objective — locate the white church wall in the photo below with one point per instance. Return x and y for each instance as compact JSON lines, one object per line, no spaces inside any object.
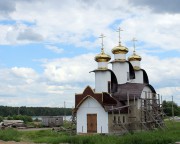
{"x":102,"y":64}
{"x":101,"y":81}
{"x":146,"y":93}
{"x":121,"y":70}
{"x":138,"y":77}
{"x":135,"y":63}
{"x":119,"y":56}
{"x":91,"y":106}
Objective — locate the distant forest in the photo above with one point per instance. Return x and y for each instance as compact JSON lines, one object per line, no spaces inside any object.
{"x":34,"y":111}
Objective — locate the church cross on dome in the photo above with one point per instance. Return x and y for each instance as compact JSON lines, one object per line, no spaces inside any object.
{"x":102,"y":43}
{"x":134,"y":44}
{"x":119,"y":31}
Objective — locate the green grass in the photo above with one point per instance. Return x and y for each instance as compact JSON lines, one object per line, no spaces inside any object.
{"x":167,"y":136}
{"x":9,"y":135}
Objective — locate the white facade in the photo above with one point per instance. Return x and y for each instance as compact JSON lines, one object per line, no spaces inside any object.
{"x":138,"y":77}
{"x":102,"y":77}
{"x":92,"y":106}
{"x":135,"y":63}
{"x":146,"y":93}
{"x":120,"y":56}
{"x":121,"y":70}
{"x":102,"y":65}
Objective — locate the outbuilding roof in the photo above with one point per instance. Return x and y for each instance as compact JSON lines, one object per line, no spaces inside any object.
{"x":103,"y":98}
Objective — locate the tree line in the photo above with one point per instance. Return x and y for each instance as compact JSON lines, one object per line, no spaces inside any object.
{"x":169,"y":107}
{"x":34,"y":111}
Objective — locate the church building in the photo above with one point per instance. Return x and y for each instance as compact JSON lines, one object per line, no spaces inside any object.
{"x":122,"y":100}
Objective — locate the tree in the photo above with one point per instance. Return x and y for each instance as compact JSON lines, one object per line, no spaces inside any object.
{"x":167,"y":108}
{"x":33,"y":111}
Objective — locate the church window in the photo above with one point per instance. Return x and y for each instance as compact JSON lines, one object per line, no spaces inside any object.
{"x":128,"y":76}
{"x":124,"y":119}
{"x":119,"y":120}
{"x":114,"y":119}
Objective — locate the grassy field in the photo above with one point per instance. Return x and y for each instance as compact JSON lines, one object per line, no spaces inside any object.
{"x":168,"y":136}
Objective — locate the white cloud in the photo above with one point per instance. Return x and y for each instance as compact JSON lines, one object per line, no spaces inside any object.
{"x":70,"y":70}
{"x":79,"y":23}
{"x":73,"y":22}
{"x":24,"y":72}
{"x":157,"y":30}
{"x":162,"y":71}
{"x":7,"y":6}
{"x":69,"y":21}
{"x":54,"y":48}
{"x":168,"y":92}
{"x":18,"y":33}
{"x":163,"y":75}
{"x":29,"y":35}
{"x":62,"y":78}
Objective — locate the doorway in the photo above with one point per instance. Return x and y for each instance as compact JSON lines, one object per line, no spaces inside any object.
{"x":92,"y":123}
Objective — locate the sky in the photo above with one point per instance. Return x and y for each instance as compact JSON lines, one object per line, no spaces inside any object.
{"x":47,"y":47}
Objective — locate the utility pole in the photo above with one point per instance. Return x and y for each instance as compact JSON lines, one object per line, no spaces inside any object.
{"x":18,"y":110}
{"x":64,"y":110}
{"x":172,"y":109}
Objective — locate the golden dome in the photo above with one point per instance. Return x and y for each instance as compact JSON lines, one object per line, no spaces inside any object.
{"x":120,"y":49}
{"x":134,"y":57}
{"x":102,"y":57}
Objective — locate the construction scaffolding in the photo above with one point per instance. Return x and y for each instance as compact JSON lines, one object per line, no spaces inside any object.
{"x":142,"y":114}
{"x":135,"y":111}
{"x":151,"y":113}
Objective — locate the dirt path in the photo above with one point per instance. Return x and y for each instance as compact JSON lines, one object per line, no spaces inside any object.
{"x":13,"y":142}
{"x":33,"y":129}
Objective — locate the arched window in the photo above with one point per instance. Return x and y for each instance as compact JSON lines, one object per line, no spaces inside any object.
{"x":124,"y":120}
{"x":119,"y":119}
{"x":114,"y":119}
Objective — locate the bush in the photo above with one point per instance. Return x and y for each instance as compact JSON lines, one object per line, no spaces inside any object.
{"x":9,"y":118}
{"x":23,"y":117}
{"x":1,"y":118}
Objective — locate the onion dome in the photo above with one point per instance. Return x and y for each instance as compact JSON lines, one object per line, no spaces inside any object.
{"x":120,"y":49}
{"x":102,"y":57}
{"x":134,"y":57}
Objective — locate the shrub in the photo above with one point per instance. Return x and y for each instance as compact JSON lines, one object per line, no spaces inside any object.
{"x":1,"y":118}
{"x":23,"y":117}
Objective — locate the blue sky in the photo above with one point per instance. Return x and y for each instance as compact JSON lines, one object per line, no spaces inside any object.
{"x":47,"y":47}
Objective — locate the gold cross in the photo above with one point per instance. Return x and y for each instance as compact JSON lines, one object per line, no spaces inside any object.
{"x":119,"y":30}
{"x":134,"y":40}
{"x":102,"y":49}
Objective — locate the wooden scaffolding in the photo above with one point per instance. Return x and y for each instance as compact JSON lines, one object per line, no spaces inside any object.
{"x":151,"y":112}
{"x":149,"y":115}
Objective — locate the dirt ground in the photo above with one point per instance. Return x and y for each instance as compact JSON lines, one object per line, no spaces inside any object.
{"x":13,"y":142}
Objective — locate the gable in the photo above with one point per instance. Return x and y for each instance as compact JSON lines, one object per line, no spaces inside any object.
{"x":103,"y":99}
{"x":79,"y":98}
{"x":90,"y":102}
